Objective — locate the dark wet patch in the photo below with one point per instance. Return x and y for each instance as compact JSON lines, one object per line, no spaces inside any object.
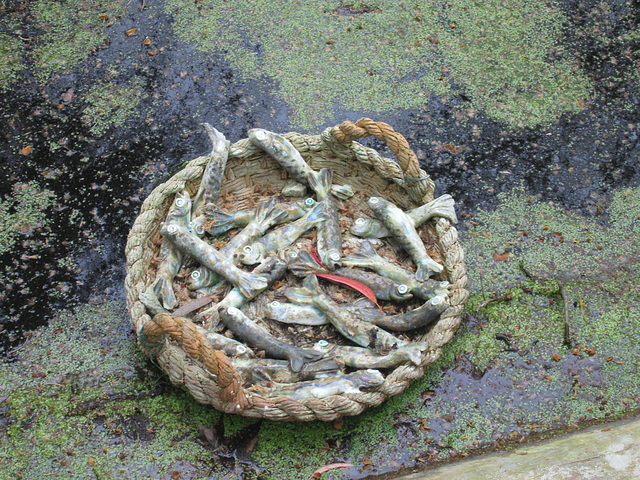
{"x":354,"y":9}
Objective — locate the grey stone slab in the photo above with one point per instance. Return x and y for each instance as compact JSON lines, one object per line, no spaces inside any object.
{"x":607,"y":452}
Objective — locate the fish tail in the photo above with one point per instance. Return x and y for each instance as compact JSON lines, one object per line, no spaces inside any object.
{"x":164,"y":289}
{"x":221,"y":221}
{"x":413,"y":353}
{"x":321,"y":182}
{"x":305,"y":265}
{"x":342,"y":192}
{"x":443,"y":207}
{"x":317,"y":214}
{"x":305,"y":294}
{"x":218,"y":139}
{"x":367,"y":250}
{"x":426,"y":268}
{"x":251,"y":285}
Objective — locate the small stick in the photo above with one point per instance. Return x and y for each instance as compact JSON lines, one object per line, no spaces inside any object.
{"x":192,"y":306}
{"x":567,"y":328}
{"x":481,"y":305}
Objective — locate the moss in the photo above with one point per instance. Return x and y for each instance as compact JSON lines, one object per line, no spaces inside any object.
{"x":72,"y":30}
{"x":111,"y":103}
{"x":22,"y":212}
{"x":10,"y":59}
{"x":505,"y":55}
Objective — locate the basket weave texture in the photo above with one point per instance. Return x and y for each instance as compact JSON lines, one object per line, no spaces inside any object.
{"x":186,"y":355}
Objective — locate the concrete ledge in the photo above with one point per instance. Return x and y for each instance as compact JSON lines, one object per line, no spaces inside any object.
{"x":607,"y":452}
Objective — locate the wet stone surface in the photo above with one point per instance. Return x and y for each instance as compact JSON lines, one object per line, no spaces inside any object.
{"x":90,"y":126}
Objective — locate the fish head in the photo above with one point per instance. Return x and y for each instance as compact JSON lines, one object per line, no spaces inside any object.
{"x":252,"y":254}
{"x":323,"y":346}
{"x":401,"y":293}
{"x":197,"y":279}
{"x":365,"y":228}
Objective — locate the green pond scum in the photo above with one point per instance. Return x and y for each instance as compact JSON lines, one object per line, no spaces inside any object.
{"x":505,"y":56}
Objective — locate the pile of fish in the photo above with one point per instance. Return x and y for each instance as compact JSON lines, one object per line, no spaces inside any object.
{"x":310,"y":340}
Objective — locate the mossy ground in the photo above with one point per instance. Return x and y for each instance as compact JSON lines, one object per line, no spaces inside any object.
{"x":504,"y":55}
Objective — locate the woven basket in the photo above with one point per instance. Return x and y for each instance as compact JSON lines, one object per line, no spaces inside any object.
{"x":187,"y":356}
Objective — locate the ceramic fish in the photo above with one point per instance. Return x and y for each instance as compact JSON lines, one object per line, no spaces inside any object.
{"x":273,"y":269}
{"x":329,"y":234}
{"x":232,"y":348}
{"x":283,"y":151}
{"x":263,"y":218}
{"x":282,"y":237}
{"x":349,"y":383}
{"x":416,"y":318}
{"x":216,"y":221}
{"x":248,"y":284}
{"x":368,"y":258}
{"x":214,"y":171}
{"x":440,"y":207}
{"x":360,"y":332}
{"x":257,"y":370}
{"x":266,"y":215}
{"x":170,"y":256}
{"x":359,"y":357}
{"x":405,"y":233}
{"x":294,"y":313}
{"x":261,"y":339}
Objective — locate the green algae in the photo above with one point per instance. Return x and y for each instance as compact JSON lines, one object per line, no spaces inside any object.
{"x":9,"y":59}
{"x":23,"y":211}
{"x":505,"y":55}
{"x":72,"y":30}
{"x":110,"y":104}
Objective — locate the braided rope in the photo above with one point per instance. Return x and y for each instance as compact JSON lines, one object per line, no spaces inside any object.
{"x":188,"y":351}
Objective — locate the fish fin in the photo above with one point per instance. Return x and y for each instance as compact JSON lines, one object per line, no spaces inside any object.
{"x":443,"y":207}
{"x":305,"y":265}
{"x":414,"y":354}
{"x":220,"y":221}
{"x":342,"y":192}
{"x":426,"y":268}
{"x":264,"y":209}
{"x":317,"y":214}
{"x":251,"y":285}
{"x":302,"y":356}
{"x":164,"y":290}
{"x":366,"y":249}
{"x":320,"y":182}
{"x":304,"y":295}
{"x":150,"y":300}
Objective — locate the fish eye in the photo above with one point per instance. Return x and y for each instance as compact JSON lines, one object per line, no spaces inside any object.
{"x":274,"y":304}
{"x":335,"y":256}
{"x":172,"y":229}
{"x":196,"y":274}
{"x":247,"y":249}
{"x":323,"y":344}
{"x":261,"y":135}
{"x":309,"y":201}
{"x":444,"y":284}
{"x":437,"y":300}
{"x":240,"y":349}
{"x":402,"y":289}
{"x":180,"y":202}
{"x":360,"y":221}
{"x":374,"y":200}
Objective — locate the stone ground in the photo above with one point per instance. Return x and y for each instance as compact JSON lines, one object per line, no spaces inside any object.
{"x":526,"y":112}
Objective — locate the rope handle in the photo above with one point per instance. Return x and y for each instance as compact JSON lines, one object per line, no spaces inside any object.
{"x":414,"y":176}
{"x":184,"y":332}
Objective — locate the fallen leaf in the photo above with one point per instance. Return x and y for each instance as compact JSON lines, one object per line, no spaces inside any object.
{"x":68,"y":95}
{"x":326,"y":468}
{"x":26,"y":150}
{"x":500,"y":258}
{"x":338,"y":424}
{"x":131,"y":31}
{"x":360,"y":287}
{"x":147,"y":41}
{"x":556,"y":357}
